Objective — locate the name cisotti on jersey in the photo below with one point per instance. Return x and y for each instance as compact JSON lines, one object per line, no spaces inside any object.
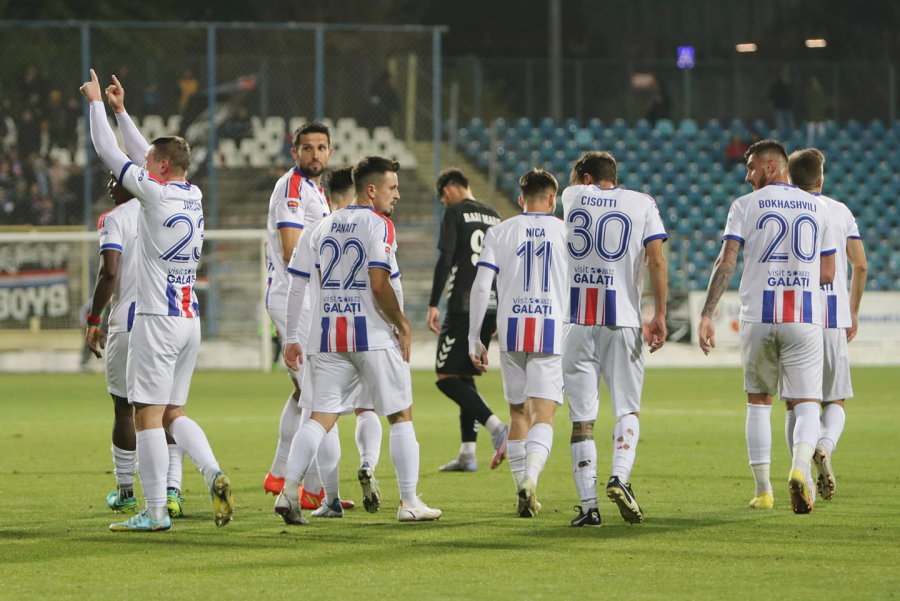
{"x":784,"y":231}
{"x":835,"y":298}
{"x":528,"y":253}
{"x":345,"y":316}
{"x":117,"y":230}
{"x":296,"y":202}
{"x":170,"y":231}
{"x":606,"y":232}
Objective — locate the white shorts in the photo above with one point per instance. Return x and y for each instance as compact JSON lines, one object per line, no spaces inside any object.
{"x":531,"y":375}
{"x":117,"y":363}
{"x":592,"y":352}
{"x":383,"y":374}
{"x":836,"y":384}
{"x":354,"y":400}
{"x":782,"y":358}
{"x":276,"y":309}
{"x":162,"y":353}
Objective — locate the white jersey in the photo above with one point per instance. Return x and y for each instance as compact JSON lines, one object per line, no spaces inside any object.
{"x":311,"y":298}
{"x":528,"y":252}
{"x":606,"y":232}
{"x":118,"y":230}
{"x":784,"y":231}
{"x":345,"y":317}
{"x":296,"y":202}
{"x":835,"y":298}
{"x":170,"y":232}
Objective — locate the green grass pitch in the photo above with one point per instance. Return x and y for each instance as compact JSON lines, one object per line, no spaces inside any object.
{"x":699,"y":540}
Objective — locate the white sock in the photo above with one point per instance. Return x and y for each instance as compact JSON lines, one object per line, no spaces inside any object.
{"x":153,"y":462}
{"x":806,"y":435}
{"x":368,"y":438}
{"x":537,"y":448}
{"x":405,"y":457}
{"x":626,"y":434}
{"x":125,"y":464}
{"x":287,"y":427}
{"x":467,"y":450}
{"x":176,"y":461}
{"x":832,"y":422}
{"x":493,"y":424}
{"x":515,"y":453}
{"x":759,"y":445}
{"x":328,"y":458}
{"x":302,"y":457}
{"x":584,"y":469}
{"x":790,"y":421}
{"x":312,"y":482}
{"x":190,"y":437}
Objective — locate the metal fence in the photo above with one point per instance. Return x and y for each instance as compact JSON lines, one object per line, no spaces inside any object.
{"x":235,"y":90}
{"x":715,"y":89}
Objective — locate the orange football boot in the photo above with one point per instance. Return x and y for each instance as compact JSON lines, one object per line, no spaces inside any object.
{"x":273,"y":485}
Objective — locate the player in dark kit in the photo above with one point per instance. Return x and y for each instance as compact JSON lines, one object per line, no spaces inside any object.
{"x":462,"y":230}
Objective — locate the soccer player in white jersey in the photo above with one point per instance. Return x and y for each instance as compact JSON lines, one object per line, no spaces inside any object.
{"x":840,"y":312}
{"x":163,"y":345}
{"x":788,"y":253}
{"x":298,"y":201}
{"x":361,"y":335}
{"x":116,"y":286}
{"x":527,"y":253}
{"x":609,"y":234}
{"x":368,"y":427}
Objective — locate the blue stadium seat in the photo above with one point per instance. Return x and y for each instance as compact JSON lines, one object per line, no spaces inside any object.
{"x":642,"y":129}
{"x":688,"y":128}
{"x":596,"y":127}
{"x":665,"y":128}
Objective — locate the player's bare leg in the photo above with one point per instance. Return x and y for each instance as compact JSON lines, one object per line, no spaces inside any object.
{"x":759,"y":447}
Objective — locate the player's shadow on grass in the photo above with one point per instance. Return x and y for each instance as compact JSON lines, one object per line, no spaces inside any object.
{"x":614,"y":527}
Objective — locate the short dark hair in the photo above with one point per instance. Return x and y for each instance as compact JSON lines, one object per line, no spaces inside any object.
{"x":370,"y":166}
{"x":174,"y":149}
{"x":311,"y":127}
{"x":449,"y":177}
{"x":768,"y":146}
{"x":805,"y":167}
{"x":537,"y":182}
{"x":599,"y":165}
{"x":339,"y":180}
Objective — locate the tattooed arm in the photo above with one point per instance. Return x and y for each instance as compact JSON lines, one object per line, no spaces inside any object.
{"x":718,"y":283}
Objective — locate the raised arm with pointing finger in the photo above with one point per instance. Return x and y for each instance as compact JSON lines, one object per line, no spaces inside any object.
{"x":135,"y":144}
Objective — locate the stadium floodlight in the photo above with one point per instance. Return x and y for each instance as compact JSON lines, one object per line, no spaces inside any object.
{"x":745,"y":47}
{"x":816,"y":43}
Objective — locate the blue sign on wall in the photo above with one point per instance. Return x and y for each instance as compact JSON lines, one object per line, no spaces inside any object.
{"x":685,"y":57}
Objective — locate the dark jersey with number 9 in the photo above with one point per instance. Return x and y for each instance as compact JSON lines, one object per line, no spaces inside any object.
{"x":462,"y":232}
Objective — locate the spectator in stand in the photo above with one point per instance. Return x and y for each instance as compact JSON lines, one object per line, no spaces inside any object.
{"x":239,"y":127}
{"x":29,"y":134}
{"x":32,"y":84}
{"x":188,"y":86}
{"x":782,"y":98}
{"x":381,"y":104}
{"x":734,"y":152}
{"x":817,"y":110}
{"x":660,"y":106}
{"x":58,"y":125}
